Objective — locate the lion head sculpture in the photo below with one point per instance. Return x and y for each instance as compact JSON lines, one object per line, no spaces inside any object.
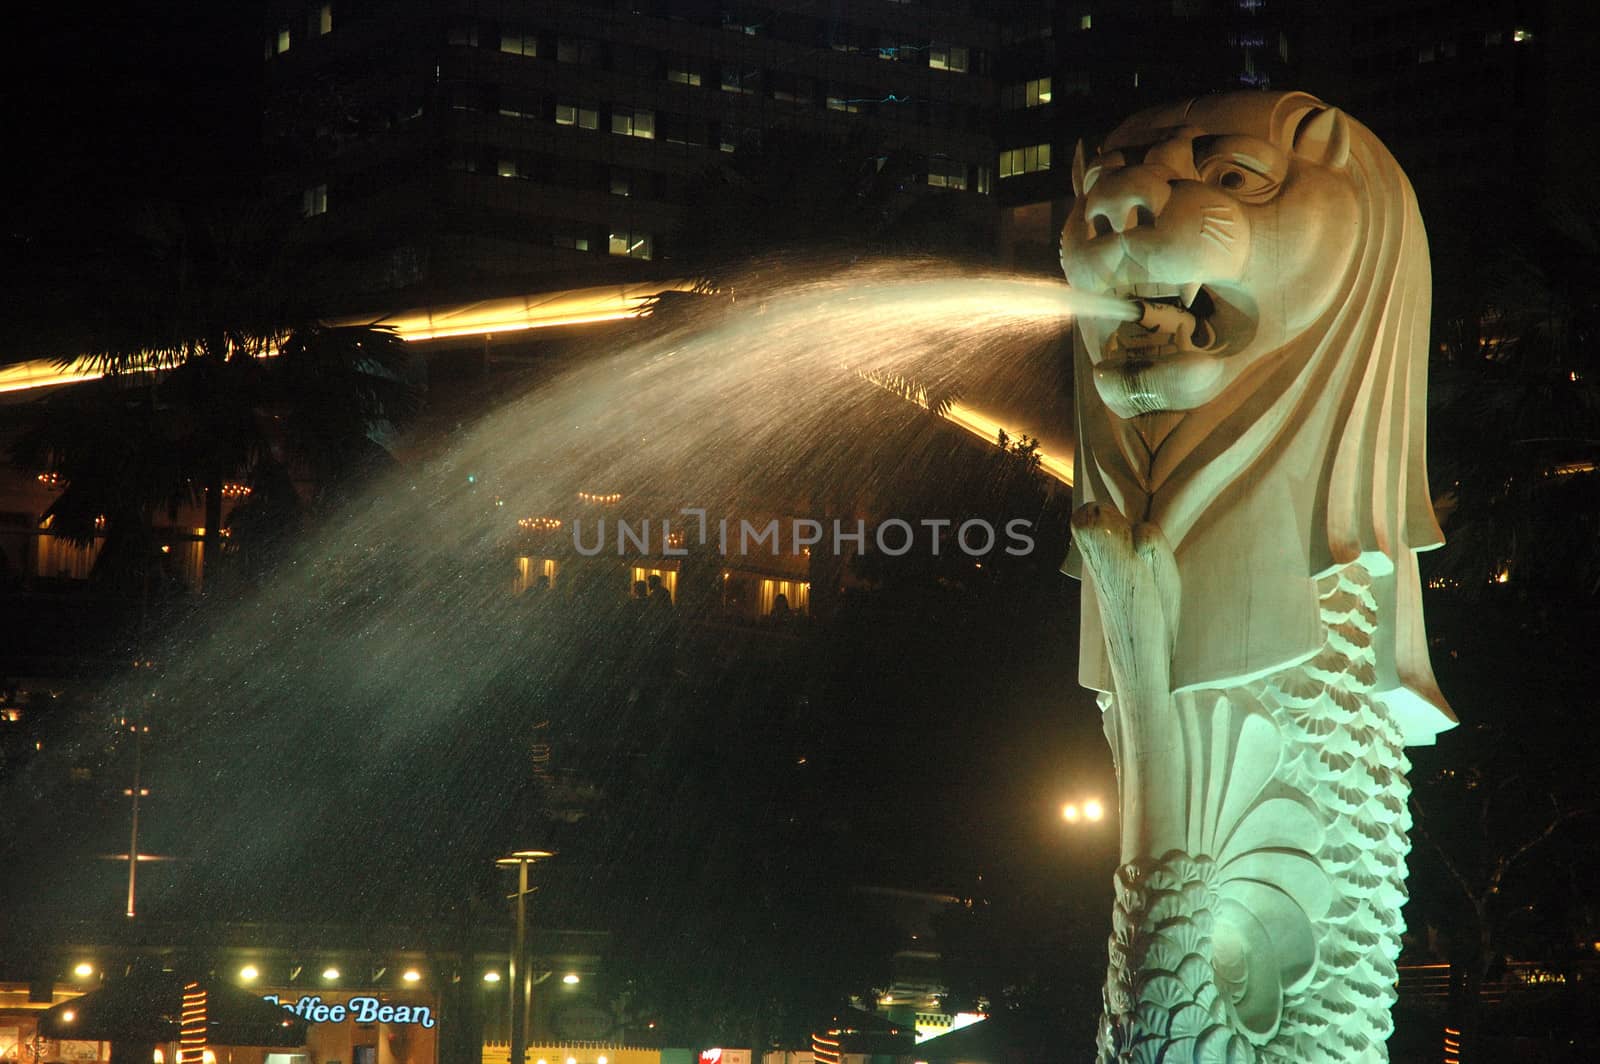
{"x":1268,"y":410}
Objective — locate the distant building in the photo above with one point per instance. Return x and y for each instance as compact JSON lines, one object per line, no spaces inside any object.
{"x":517,"y":146}
{"x":1072,"y":69}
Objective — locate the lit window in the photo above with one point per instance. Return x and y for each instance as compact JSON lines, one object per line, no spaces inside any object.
{"x":632,"y":122}
{"x":314,"y":201}
{"x":631,"y":245}
{"x":1035,"y":93}
{"x":680,"y":76}
{"x":947,"y":57}
{"x":512,"y":168}
{"x":1521,"y":35}
{"x":571,"y":114}
{"x":281,"y":44}
{"x":572,"y":243}
{"x":1086,"y":22}
{"x":983,"y":183}
{"x":947,"y":173}
{"x":840,"y":103}
{"x":520,"y":43}
{"x":1033,"y":158}
{"x":320,"y":20}
{"x":621,"y":183}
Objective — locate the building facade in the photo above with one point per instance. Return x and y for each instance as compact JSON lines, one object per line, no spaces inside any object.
{"x":522,"y":145}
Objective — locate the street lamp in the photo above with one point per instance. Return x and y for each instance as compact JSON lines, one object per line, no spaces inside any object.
{"x":519,"y":973}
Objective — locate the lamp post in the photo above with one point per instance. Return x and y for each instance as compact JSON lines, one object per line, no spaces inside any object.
{"x":135,"y":792}
{"x":519,"y":973}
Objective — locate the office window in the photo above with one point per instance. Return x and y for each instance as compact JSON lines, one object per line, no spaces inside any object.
{"x":845,"y":104}
{"x":519,"y":103}
{"x":983,"y":184}
{"x":1086,"y":22}
{"x":320,"y":20}
{"x":621,"y":183}
{"x":463,"y":34}
{"x":636,"y":60}
{"x":571,"y":242}
{"x":517,"y":168}
{"x":1033,"y":158}
{"x":741,"y":80}
{"x":584,"y":116}
{"x":734,"y":138}
{"x":682,"y":73}
{"x":631,"y":245}
{"x":1024,"y":94}
{"x":633,"y":122}
{"x":948,"y":57}
{"x":792,"y":88}
{"x":519,"y":43}
{"x":682,"y":129}
{"x":947,"y":173}
{"x":741,"y":22}
{"x":280,"y":42}
{"x":314,"y":201}
{"x":579,"y":51}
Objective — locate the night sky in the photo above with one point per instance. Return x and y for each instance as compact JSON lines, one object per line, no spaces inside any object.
{"x":111,"y":108}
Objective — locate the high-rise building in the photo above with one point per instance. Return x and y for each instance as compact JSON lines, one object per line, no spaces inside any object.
{"x":469,"y":147}
{"x":1071,"y":69}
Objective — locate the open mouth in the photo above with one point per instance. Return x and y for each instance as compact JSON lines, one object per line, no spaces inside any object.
{"x":1174,"y":319}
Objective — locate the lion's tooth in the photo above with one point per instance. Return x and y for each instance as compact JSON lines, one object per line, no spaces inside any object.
{"x":1189,"y":292}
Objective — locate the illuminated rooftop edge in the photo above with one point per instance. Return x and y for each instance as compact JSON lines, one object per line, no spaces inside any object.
{"x":543,"y":310}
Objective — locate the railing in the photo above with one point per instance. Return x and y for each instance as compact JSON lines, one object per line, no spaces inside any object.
{"x":1429,"y":984}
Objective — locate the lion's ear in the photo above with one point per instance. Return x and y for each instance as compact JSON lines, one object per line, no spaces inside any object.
{"x":1324,"y":137}
{"x":1078,"y":168}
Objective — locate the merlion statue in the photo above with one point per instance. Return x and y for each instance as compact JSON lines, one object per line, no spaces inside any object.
{"x":1250,"y":498}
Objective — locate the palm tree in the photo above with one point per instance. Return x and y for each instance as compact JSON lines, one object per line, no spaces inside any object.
{"x":217,"y":373}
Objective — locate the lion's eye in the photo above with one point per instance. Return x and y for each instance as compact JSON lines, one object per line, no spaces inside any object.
{"x":1238,"y":179}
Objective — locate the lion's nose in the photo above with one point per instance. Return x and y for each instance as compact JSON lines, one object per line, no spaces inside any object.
{"x":1126,"y":199}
